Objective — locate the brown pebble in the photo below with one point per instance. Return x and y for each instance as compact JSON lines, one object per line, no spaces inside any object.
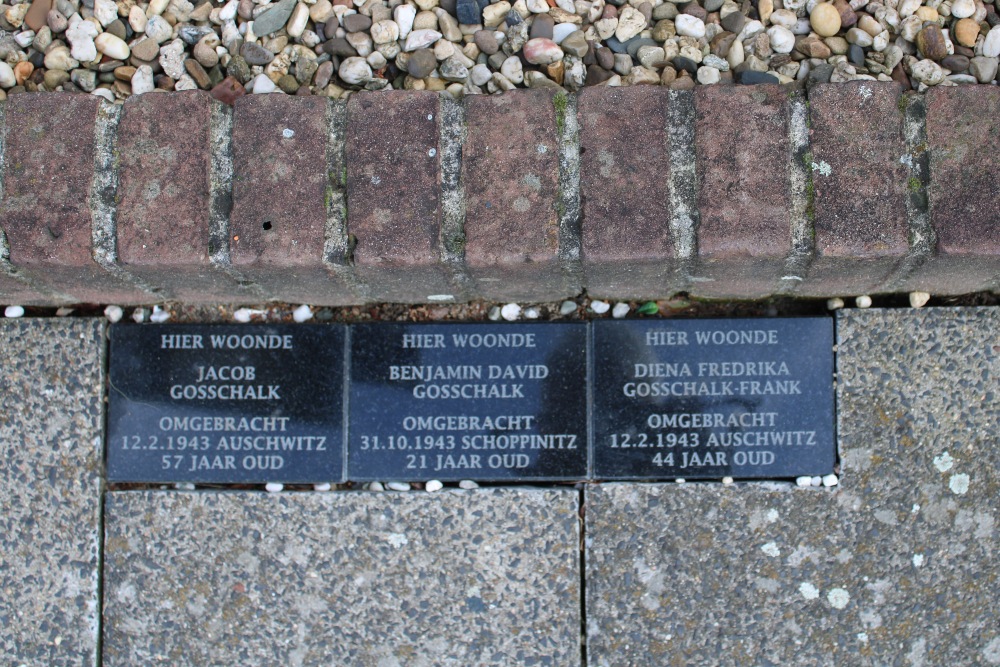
{"x":605,"y":57}
{"x":22,"y":71}
{"x":556,"y":71}
{"x":667,"y":76}
{"x":930,"y":41}
{"x":198,"y":73}
{"x":116,"y":28}
{"x":955,"y":63}
{"x":696,"y":10}
{"x":899,"y":76}
{"x":486,"y":41}
{"x":646,"y":10}
{"x":146,"y":50}
{"x":847,"y":16}
{"x":721,"y":44}
{"x":228,"y":91}
{"x":122,"y":88}
{"x":596,"y":75}
{"x":966,"y":31}
{"x":542,"y":27}
{"x":125,"y":72}
{"x":164,"y":82}
{"x":288,"y":83}
{"x":610,"y":12}
{"x":682,"y":82}
{"x":36,"y":16}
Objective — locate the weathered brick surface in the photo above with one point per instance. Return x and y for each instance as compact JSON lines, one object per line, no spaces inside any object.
{"x":627,"y":246}
{"x":49,"y":169}
{"x":742,"y":146}
{"x":280,"y":189}
{"x":393,"y":194}
{"x":164,"y":195}
{"x":13,"y":291}
{"x":964,"y":141}
{"x":510,"y":166}
{"x":860,"y":187}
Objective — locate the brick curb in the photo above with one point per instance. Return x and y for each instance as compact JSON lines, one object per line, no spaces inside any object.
{"x":723,"y":192}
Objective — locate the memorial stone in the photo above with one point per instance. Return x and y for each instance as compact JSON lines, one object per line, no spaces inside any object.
{"x":226,"y":404}
{"x":706,"y":399}
{"x":468,"y":401}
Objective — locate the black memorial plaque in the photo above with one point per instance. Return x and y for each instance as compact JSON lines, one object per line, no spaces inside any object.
{"x":705,"y":399}
{"x":226,"y":403}
{"x":468,"y":401}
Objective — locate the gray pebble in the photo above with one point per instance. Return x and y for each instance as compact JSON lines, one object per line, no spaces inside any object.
{"x":255,"y":54}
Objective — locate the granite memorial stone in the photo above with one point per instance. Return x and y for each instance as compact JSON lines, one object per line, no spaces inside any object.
{"x":226,"y":404}
{"x":468,"y":401}
{"x":743,"y":398}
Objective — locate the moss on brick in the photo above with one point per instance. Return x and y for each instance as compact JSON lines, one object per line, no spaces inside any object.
{"x":561,"y":102}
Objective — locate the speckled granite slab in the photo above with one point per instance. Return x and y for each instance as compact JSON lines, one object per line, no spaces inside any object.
{"x":50,"y":461}
{"x":484,"y":577}
{"x":897,"y":565}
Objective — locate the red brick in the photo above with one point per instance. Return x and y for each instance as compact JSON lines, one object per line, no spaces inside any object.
{"x":164,"y":199}
{"x":743,"y":154}
{"x":393,"y":194}
{"x":627,"y":247}
{"x":281,"y":183}
{"x":47,"y":189}
{"x":510,"y":166}
{"x":860,"y":206}
{"x":964,"y":141}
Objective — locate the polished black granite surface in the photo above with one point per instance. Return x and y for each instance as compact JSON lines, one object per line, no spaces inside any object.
{"x":742,"y":398}
{"x":468,"y":401}
{"x":226,"y":404}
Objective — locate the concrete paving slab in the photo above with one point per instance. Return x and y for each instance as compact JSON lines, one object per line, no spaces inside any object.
{"x":484,"y":577}
{"x":896,"y":566}
{"x":51,"y":410}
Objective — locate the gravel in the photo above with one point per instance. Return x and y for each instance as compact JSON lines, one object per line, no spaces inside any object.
{"x":117,"y":49}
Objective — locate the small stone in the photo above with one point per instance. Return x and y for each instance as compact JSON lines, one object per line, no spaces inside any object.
{"x":835,"y":303}
{"x":421,"y":63}
{"x":80,"y":35}
{"x":13,"y":311}
{"x":567,"y":307}
{"x":22,"y":71}
{"x":919,"y":299}
{"x":931,"y":43}
{"x":620,"y":310}
{"x":85,"y":79}
{"x":825,"y":19}
{"x":830,"y":480}
{"x":689,"y":26}
{"x":146,"y":50}
{"x":322,"y":487}
{"x":863,"y":301}
{"x":404,"y":16}
{"x":274,"y":487}
{"x":467,"y":484}
{"x":56,"y":21}
{"x":541,"y":51}
{"x":480,"y":75}
{"x":355,"y":71}
{"x":600,"y":307}
{"x":275,"y":18}
{"x":494,"y":14}
{"x":983,"y":68}
{"x":734,"y":22}
{"x":966,"y":31}
{"x":7,"y":78}
{"x":59,"y":58}
{"x":159,"y":315}
{"x":575,"y":44}
{"x":112,"y":46}
{"x":927,"y":72}
{"x":708,"y":76}
{"x":513,"y":70}
{"x":356,"y":22}
{"x":421,"y":39}
{"x":630,"y":23}
{"x":113,"y":313}
{"x":384,"y":32}
{"x":955,"y":63}
{"x":433,"y":485}
{"x":262,"y":85}
{"x":172,"y":59}
{"x":158,"y":30}
{"x":375,"y":486}
{"x":486,"y":41}
{"x":963,"y":9}
{"x":543,"y":27}
{"x":510,"y":312}
{"x":142,"y":80}
{"x":452,"y":69}
{"x":803,"y":481}
{"x":468,"y":12}
{"x":749,"y":78}
{"x":991,"y":45}
{"x":856,"y":54}
{"x":36,"y":15}
{"x":782,"y":39}
{"x":398,"y":486}
{"x":255,"y":54}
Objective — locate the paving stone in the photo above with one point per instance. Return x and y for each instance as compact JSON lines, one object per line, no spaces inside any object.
{"x":964,"y":141}
{"x":743,"y":154}
{"x":487,"y":577}
{"x":860,"y":187}
{"x":48,"y":173}
{"x":13,"y":291}
{"x":280,"y":193}
{"x":393,"y":194}
{"x":627,"y":245}
{"x":51,"y":382}
{"x":165,"y":204}
{"x":891,"y":567}
{"x":511,"y":174}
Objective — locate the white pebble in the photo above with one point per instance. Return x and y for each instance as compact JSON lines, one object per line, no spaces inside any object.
{"x":680,"y":480}
{"x":242,"y":315}
{"x":112,"y":46}
{"x":355,"y":70}
{"x":863,"y":301}
{"x":532,"y":313}
{"x":918,"y":560}
{"x":919,"y":299}
{"x":690,"y":26}
{"x":433,"y":485}
{"x":113,"y":313}
{"x":600,"y":307}
{"x":64,"y":311}
{"x":805,"y":480}
{"x":510,"y":312}
{"x":467,"y":484}
{"x":7,"y":78}
{"x":104,"y":94}
{"x":838,"y":598}
{"x":398,"y":486}
{"x":142,"y":80}
{"x":184,"y":486}
{"x":782,"y":39}
{"x":727,"y":480}
{"x":262,"y":85}
{"x":274,"y":487}
{"x":324,"y":486}
{"x":302,"y":314}
{"x":620,"y":310}
{"x":816,"y":480}
{"x":159,"y":315}
{"x":376,"y":486}
{"x":13,"y":311}
{"x":708,"y":76}
{"x":139,"y":315}
{"x":830,"y":480}
{"x":567,"y":307}
{"x":991,"y":45}
{"x":835,"y":303}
